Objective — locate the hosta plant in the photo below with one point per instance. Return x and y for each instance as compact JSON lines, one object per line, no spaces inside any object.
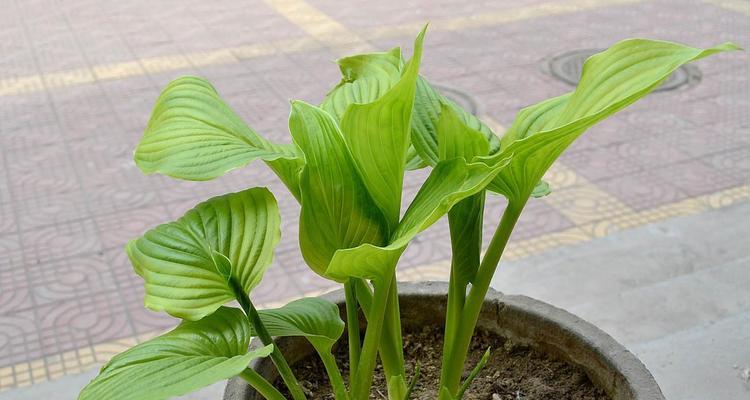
{"x":346,"y":166}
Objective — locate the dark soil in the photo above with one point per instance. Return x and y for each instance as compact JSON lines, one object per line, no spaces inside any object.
{"x":514,"y":372}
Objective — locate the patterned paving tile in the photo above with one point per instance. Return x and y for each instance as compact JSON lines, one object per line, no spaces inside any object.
{"x":643,"y":190}
{"x":78,"y":80}
{"x":696,"y":178}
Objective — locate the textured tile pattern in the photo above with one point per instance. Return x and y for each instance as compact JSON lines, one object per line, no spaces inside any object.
{"x":78,"y":79}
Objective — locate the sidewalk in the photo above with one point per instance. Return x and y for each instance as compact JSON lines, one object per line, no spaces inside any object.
{"x":78,"y":80}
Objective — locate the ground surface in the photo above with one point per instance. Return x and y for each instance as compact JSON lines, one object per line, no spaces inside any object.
{"x":78,"y":78}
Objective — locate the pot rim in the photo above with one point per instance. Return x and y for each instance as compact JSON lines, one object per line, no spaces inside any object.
{"x":608,"y":363}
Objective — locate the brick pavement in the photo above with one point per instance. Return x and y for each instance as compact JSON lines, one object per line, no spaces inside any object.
{"x":78,"y":79}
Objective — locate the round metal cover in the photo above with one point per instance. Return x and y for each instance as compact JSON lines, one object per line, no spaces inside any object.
{"x":458,"y":97}
{"x":567,"y":68}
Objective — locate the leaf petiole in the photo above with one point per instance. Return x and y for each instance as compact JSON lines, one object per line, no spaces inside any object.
{"x":261,"y":385}
{"x":276,"y":356}
{"x":352,"y":325}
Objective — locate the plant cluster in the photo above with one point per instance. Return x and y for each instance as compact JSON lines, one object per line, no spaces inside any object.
{"x":346,"y":168}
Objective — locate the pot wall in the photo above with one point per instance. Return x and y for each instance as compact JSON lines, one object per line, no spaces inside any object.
{"x":608,"y":364}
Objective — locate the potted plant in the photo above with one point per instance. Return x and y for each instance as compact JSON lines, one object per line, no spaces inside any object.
{"x":346,"y":167}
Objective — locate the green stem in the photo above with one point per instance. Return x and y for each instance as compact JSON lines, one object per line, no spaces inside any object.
{"x":352,"y":326}
{"x":456,"y":300}
{"x":261,"y":385}
{"x":334,"y":374}
{"x":391,"y":343}
{"x":260,"y":330}
{"x":475,"y":299}
{"x":360,"y":386}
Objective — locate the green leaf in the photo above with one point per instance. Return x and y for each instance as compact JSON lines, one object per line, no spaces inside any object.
{"x":414,"y":160}
{"x":456,"y":138}
{"x":193,"y":355}
{"x":184,"y":276}
{"x":428,"y":106}
{"x":337,"y":210}
{"x":365,"y":78}
{"x":194,"y":135}
{"x":316,"y":319}
{"x":377,"y":133}
{"x":610,"y":81}
{"x":449,"y":182}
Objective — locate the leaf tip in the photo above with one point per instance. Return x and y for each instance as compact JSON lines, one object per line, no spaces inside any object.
{"x":730,"y":46}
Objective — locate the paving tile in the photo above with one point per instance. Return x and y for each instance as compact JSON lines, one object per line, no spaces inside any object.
{"x":15,"y":293}
{"x":118,"y":228}
{"x":650,"y":153}
{"x":539,"y":218}
{"x":599,"y":163}
{"x":643,"y":190}
{"x":60,"y":241}
{"x":735,"y":164}
{"x":75,"y":323}
{"x":696,"y":178}
{"x":704,"y":141}
{"x":19,"y":337}
{"x":70,"y":278}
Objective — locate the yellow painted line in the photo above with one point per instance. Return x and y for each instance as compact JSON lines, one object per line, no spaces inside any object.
{"x":740,"y":6}
{"x":328,"y":34}
{"x":505,"y":16}
{"x":321,"y":26}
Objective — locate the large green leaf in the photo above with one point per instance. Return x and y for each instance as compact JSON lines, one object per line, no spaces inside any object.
{"x":193,"y":355}
{"x":184,"y":263}
{"x":194,"y":135}
{"x":610,"y":81}
{"x":316,"y":319}
{"x":427,"y":108}
{"x":449,"y":182}
{"x":377,"y":133}
{"x":337,"y":210}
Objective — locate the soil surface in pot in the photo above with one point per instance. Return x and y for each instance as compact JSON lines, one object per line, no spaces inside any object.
{"x":514,"y":372}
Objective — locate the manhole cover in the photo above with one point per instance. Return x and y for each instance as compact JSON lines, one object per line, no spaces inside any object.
{"x":458,"y":97}
{"x":567,"y":68}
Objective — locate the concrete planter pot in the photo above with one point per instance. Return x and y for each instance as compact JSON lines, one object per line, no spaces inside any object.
{"x":608,"y":364}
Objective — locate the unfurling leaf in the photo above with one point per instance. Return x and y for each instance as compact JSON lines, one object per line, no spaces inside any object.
{"x":193,"y":355}
{"x":183,"y":274}
{"x":365,"y":78}
{"x":194,"y":135}
{"x":377,"y":133}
